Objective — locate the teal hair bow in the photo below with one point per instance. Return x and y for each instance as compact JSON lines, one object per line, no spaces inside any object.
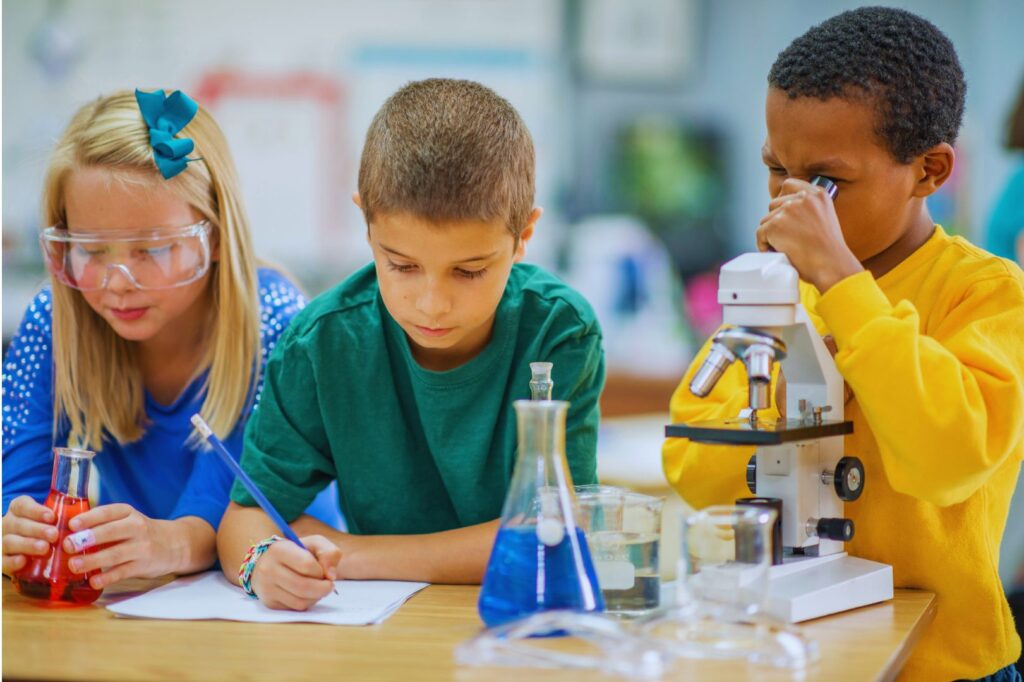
{"x":166,"y":116}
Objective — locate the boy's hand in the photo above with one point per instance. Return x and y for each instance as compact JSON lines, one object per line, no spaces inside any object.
{"x":289,"y":577}
{"x":28,"y":530}
{"x":130,"y":545}
{"x":802,"y":224}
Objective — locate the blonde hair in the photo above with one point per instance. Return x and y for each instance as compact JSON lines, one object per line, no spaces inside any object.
{"x":98,"y":386}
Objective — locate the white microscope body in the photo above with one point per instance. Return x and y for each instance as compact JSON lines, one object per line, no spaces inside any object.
{"x":800,"y":459}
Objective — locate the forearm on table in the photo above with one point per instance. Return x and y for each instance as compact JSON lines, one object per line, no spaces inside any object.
{"x":240,"y":528}
{"x":455,"y":557}
{"x":192,"y":544}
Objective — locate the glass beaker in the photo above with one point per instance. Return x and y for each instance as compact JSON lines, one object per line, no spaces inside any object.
{"x":48,"y":577}
{"x":540,"y":559}
{"x":727,"y":552}
{"x":624,"y":534}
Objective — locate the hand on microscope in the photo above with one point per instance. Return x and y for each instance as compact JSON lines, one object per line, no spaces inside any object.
{"x":780,"y":384}
{"x":802,"y":223}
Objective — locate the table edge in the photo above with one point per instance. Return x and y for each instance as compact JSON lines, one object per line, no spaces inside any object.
{"x":894,"y":666}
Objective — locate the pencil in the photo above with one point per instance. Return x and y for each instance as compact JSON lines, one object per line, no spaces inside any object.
{"x":261,"y":499}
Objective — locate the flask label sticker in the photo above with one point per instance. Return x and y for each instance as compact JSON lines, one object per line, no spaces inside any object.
{"x":615,"y":575}
{"x":83,"y":539}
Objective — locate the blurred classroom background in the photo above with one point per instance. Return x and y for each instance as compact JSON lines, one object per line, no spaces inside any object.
{"x":647,"y":117}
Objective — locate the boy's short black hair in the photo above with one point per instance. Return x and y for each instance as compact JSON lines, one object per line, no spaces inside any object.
{"x":901,"y":61}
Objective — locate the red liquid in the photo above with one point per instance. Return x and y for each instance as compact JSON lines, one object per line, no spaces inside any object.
{"x":48,"y":577}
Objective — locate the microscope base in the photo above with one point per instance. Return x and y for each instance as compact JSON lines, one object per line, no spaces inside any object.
{"x":803,"y":588}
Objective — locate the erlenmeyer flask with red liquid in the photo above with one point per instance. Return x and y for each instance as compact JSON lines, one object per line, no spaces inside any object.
{"x":48,"y":577}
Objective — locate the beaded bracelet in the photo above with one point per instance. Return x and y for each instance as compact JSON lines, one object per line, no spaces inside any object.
{"x":249,"y":563}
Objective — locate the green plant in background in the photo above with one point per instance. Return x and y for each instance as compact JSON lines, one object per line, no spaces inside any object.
{"x":667,"y":175}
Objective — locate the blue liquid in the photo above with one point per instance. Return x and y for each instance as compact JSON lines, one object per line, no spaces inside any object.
{"x":525,"y":576}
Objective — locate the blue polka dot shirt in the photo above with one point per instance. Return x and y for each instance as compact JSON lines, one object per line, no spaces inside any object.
{"x":159,"y":475}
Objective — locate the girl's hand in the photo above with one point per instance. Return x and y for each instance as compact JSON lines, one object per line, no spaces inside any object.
{"x":28,"y":530}
{"x":289,"y":577}
{"x":132,"y":545}
{"x":802,"y":224}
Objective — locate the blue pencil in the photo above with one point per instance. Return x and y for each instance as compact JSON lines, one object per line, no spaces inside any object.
{"x":207,"y":433}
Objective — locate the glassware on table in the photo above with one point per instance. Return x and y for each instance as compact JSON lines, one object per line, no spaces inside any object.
{"x":726,"y":554}
{"x":540,"y":560}
{"x":724,"y":571}
{"x":623,"y":531}
{"x":49,"y":577}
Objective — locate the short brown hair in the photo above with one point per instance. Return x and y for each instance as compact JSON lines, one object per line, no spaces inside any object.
{"x":446,"y":149}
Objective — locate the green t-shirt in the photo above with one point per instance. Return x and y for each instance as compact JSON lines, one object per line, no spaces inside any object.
{"x":413,"y":450}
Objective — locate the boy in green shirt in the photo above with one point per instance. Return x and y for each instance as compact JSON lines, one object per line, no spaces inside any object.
{"x":399,"y":382}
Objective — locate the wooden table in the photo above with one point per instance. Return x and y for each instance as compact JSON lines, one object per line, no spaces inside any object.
{"x":416,"y":643}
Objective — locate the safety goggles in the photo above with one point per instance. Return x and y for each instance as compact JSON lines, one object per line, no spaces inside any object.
{"x":162,"y":258}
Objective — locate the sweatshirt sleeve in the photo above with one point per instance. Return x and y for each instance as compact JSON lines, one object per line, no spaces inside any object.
{"x":710,"y":474}
{"x":946,"y":408}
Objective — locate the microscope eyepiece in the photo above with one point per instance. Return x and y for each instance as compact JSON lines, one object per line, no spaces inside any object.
{"x":827,"y":184}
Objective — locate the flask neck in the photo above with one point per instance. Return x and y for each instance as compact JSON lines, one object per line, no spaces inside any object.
{"x":71,"y":468}
{"x":541,"y":427}
{"x":541,"y":385}
{"x":541,"y":390}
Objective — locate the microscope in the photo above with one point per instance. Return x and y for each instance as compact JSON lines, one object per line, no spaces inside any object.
{"x":799,"y":467}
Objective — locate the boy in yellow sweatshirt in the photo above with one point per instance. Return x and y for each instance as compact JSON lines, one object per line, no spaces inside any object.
{"x":929,"y":329}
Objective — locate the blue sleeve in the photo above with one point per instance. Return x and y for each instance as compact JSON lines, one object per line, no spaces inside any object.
{"x":28,"y":405}
{"x":208,"y":488}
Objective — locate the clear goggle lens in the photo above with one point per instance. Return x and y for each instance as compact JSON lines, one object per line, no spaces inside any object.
{"x":152,"y":259}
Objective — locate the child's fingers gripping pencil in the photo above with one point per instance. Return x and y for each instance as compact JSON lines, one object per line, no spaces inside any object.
{"x":206,"y":432}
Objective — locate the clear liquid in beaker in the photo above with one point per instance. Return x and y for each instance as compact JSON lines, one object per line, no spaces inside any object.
{"x":627,"y":567}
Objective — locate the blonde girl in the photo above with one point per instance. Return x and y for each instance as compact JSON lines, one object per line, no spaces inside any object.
{"x":156,"y":310}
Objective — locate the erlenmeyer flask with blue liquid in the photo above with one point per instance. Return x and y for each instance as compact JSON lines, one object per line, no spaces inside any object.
{"x":540,"y":560}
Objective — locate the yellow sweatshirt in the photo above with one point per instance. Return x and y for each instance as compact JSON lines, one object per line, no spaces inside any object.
{"x":934,"y":354}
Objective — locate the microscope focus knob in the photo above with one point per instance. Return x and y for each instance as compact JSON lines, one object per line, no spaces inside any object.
{"x":849,"y":479}
{"x":835,"y":529}
{"x":752,"y":474}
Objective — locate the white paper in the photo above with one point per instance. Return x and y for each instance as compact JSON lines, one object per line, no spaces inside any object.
{"x":210,"y":596}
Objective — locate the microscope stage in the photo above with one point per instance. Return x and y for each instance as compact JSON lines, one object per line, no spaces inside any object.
{"x":740,"y":431}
